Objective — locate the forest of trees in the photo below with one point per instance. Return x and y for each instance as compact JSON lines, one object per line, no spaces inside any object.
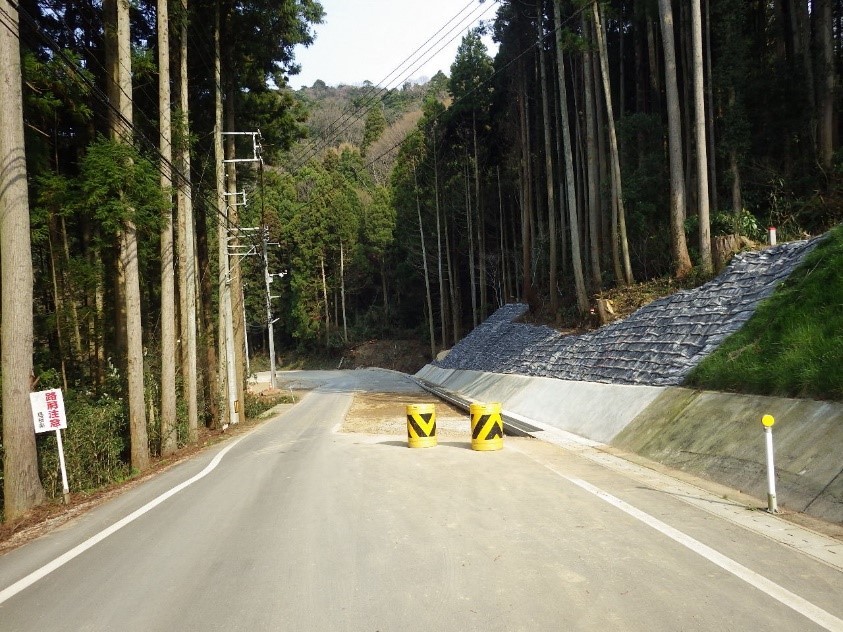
{"x":605,"y":143}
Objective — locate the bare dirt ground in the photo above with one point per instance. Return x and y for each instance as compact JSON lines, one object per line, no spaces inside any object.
{"x":386,"y":414}
{"x":405,"y":355}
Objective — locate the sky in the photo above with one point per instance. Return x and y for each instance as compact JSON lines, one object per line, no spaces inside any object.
{"x":371,"y":40}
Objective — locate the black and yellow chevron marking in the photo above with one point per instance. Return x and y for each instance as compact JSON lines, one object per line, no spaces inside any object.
{"x":421,"y":425}
{"x":486,"y":427}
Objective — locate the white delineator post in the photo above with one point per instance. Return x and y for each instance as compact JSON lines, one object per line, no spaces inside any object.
{"x":772,"y":231}
{"x":768,"y":422}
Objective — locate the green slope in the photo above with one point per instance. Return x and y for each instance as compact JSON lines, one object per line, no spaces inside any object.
{"x":793,"y":344}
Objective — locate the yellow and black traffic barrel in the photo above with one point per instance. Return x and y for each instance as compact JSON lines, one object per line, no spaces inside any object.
{"x":486,"y":426}
{"x":421,"y":425}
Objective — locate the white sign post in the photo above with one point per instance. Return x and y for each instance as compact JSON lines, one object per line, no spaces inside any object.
{"x":48,"y":414}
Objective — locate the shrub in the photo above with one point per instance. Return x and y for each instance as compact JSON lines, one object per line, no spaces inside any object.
{"x":256,"y":403}
{"x":94,"y":441}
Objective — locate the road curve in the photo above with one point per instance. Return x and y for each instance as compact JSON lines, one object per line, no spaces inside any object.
{"x":300,"y":527}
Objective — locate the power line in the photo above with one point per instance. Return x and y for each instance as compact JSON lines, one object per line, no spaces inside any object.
{"x":501,"y":70}
{"x":376,"y":93}
{"x":128,"y":131}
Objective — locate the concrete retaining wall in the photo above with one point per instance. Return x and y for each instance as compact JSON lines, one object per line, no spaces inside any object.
{"x":595,"y":411}
{"x":719,"y":436}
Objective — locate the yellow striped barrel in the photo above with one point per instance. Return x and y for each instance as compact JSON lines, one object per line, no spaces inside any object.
{"x":421,"y":425}
{"x":486,"y":426}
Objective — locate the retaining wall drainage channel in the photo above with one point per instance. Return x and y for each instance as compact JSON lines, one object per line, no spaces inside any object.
{"x":658,"y":345}
{"x":610,"y":385}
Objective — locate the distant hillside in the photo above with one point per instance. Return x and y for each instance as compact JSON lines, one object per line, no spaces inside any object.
{"x":338,"y":114}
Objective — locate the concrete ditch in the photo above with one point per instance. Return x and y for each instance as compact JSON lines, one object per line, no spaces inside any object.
{"x":716,"y":436}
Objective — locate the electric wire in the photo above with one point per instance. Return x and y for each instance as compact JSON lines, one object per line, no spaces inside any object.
{"x":376,"y":93}
{"x":500,"y":71}
{"x":128,"y":132}
{"x":332,"y":126}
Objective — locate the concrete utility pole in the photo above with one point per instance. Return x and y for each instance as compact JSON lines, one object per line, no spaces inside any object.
{"x":251,"y":250}
{"x":269,"y":320}
{"x":264,"y":233}
{"x":233,"y":250}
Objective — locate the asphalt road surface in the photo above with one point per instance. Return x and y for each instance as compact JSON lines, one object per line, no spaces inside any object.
{"x":296,"y":526}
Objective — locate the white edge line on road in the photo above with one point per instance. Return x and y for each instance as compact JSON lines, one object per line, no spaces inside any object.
{"x":60,"y":561}
{"x":784,"y":596}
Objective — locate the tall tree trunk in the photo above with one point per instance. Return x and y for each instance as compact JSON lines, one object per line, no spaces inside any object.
{"x":563,"y":232}
{"x":700,"y":127}
{"x":426,"y":274}
{"x":22,"y":488}
{"x":709,"y":93}
{"x":470,"y":230}
{"x":608,"y":211}
{"x":686,"y":105}
{"x":439,"y":263}
{"x":452,"y":282}
{"x":507,"y":290}
{"x":228,"y":376}
{"x":58,"y":295}
{"x":825,"y":38}
{"x":526,"y":206}
{"x":342,"y":294}
{"x":118,"y":54}
{"x":681,"y":260}
{"x":653,"y":58}
{"x":169,"y":423}
{"x":187,"y":247}
{"x":210,"y":382}
{"x":573,"y":212}
{"x":737,"y":198}
{"x":237,"y":313}
{"x":69,"y":293}
{"x":552,"y":263}
{"x":617,"y":189}
{"x":591,"y":160}
{"x":327,"y":304}
{"x":481,"y":226}
{"x":803,"y":25}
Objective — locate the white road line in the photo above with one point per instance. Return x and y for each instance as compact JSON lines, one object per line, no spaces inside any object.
{"x":780,"y":594}
{"x":807,"y":542}
{"x":76,"y":551}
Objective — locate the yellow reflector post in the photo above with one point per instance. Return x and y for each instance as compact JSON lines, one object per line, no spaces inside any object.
{"x":421,"y":425}
{"x":486,"y":426}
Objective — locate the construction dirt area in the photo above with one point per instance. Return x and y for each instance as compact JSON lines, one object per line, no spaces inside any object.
{"x":386,"y":414}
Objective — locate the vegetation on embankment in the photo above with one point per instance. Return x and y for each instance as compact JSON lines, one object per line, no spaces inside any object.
{"x":793,"y":344}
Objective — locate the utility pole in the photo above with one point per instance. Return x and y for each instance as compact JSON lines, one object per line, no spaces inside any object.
{"x":226,"y":318}
{"x":240,"y":195}
{"x":270,"y":321}
{"x":264,"y":232}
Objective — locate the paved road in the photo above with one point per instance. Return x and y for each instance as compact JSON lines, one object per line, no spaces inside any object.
{"x":298,"y":527}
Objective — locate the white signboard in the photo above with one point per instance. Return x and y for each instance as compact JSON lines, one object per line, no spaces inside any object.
{"x":48,"y":410}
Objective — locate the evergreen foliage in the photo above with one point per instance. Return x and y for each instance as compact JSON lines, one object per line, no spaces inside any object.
{"x":354,"y":176}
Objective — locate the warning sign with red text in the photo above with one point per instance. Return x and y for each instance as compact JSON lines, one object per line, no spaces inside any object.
{"x":48,"y":410}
